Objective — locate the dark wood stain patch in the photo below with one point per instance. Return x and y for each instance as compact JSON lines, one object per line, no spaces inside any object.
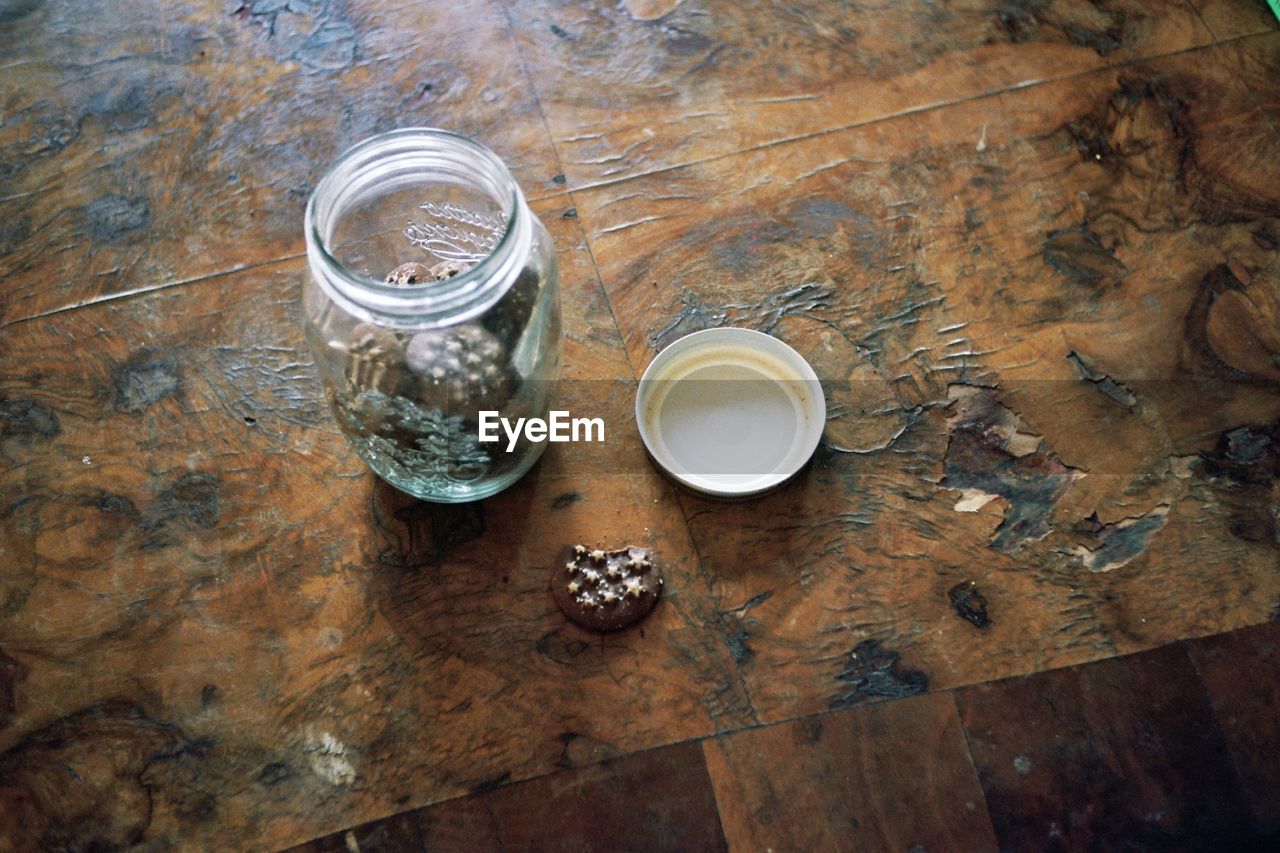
{"x":970,"y":604}
{"x":13,"y":232}
{"x":12,"y":672}
{"x":983,"y":455}
{"x":740,"y":647}
{"x":874,"y":672}
{"x":144,"y":379}
{"x":1096,"y":26}
{"x":117,"y":218}
{"x":13,"y":10}
{"x":194,"y":499}
{"x":24,"y":419}
{"x":739,"y":627}
{"x":319,"y":34}
{"x":566,"y":499}
{"x":1244,"y":466}
{"x":1079,"y":254}
{"x":274,"y":773}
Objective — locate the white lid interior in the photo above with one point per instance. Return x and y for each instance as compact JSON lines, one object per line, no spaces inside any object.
{"x":730,"y":412}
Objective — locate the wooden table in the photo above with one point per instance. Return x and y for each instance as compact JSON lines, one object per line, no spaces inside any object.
{"x":1032,"y":247}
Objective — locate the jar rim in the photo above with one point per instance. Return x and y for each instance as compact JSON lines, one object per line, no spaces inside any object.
{"x":466,"y":289}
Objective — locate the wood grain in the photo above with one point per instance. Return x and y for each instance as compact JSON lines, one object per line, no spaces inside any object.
{"x":626,"y":96}
{"x":1257,"y":63}
{"x":467,"y":823}
{"x":396,"y":834}
{"x":1228,"y":19}
{"x":1241,"y":673}
{"x":156,"y":143}
{"x":1031,"y":248}
{"x":893,"y":776}
{"x":655,"y":800}
{"x":1040,"y":244}
{"x":1121,"y":753}
{"x":237,"y":632}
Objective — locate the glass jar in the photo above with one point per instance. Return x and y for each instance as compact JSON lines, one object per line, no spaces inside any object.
{"x":431,"y":297}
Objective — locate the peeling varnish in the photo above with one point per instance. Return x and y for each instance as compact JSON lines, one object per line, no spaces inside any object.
{"x":914,"y":307}
{"x":990,"y":455}
{"x":1115,"y":391}
{"x":621,"y":155}
{"x":833,"y":165}
{"x":783,"y":99}
{"x":754,"y":601}
{"x":612,"y":228}
{"x":1182,"y":467}
{"x":885,"y":444}
{"x":1008,"y":427}
{"x":703,"y":114}
{"x":1122,"y":542}
{"x":618,"y":200}
{"x":915,"y":352}
{"x":972,"y":500}
{"x":329,"y":758}
{"x":650,"y":10}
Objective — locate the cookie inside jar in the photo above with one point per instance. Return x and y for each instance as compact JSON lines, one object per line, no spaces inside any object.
{"x":432,"y":298}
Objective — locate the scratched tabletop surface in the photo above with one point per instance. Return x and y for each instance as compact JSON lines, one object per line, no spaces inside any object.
{"x":1032,"y":247}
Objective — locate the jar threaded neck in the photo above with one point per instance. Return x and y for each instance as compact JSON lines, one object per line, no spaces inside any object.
{"x":468,"y":207}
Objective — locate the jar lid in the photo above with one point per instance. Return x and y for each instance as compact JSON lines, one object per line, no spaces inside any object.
{"x":730,"y":412}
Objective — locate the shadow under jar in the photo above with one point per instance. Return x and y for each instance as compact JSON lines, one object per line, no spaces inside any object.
{"x":431,"y":296}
